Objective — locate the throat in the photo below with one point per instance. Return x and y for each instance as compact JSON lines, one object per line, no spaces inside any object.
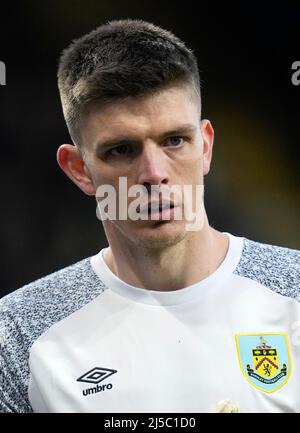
{"x":173,"y":269}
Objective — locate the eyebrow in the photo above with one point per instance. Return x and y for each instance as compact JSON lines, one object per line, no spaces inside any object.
{"x":102,"y":145}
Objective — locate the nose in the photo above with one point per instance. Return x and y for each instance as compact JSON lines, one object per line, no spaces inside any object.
{"x":152,"y":166}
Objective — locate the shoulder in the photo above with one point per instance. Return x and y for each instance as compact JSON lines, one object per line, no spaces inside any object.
{"x":27,"y":313}
{"x":47,"y":299}
{"x":276,"y":267}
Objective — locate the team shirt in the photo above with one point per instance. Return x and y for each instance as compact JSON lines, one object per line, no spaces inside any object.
{"x":82,"y":340}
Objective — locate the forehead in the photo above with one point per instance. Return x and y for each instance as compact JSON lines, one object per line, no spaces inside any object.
{"x":142,"y":117}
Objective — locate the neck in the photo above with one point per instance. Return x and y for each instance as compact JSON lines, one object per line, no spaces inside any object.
{"x":181,"y":265}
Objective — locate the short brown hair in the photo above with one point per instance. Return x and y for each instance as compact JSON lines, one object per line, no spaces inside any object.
{"x":124,"y":58}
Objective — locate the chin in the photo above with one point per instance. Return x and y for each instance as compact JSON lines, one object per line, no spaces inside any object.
{"x":159,"y":235}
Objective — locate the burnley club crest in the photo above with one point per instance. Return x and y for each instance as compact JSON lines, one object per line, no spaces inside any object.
{"x":264,"y":359}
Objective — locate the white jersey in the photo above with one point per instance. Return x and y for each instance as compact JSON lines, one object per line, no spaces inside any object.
{"x":82,"y":340}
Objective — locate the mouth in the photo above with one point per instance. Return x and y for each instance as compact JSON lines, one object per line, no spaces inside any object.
{"x":159,"y":212}
{"x":156,"y":207}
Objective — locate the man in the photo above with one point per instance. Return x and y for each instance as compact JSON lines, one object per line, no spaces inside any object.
{"x":173,"y":316}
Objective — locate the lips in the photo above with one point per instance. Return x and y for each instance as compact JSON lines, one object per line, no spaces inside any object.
{"x":157,"y":206}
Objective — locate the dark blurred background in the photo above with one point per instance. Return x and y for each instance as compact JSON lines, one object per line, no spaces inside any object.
{"x":245,"y":55}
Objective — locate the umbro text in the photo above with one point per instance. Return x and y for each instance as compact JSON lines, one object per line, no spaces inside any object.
{"x":95,"y":389}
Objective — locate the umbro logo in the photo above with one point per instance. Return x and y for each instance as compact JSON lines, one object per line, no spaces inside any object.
{"x":95,"y":376}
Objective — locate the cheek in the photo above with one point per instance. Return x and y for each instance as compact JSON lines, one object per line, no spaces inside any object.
{"x":191,"y":172}
{"x":103,"y":175}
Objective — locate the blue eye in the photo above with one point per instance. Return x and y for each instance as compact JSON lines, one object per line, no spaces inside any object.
{"x":175,"y":141}
{"x":123,"y":149}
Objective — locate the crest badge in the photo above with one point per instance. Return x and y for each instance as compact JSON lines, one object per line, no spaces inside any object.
{"x":264,"y":359}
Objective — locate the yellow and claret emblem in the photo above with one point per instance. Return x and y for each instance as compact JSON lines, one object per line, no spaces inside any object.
{"x":264,"y":359}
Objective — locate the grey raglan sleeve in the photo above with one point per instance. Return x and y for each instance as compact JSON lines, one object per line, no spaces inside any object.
{"x":27,"y":313}
{"x":14,"y":370}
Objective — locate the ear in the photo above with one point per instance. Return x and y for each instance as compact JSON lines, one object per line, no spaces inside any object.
{"x":70,"y":161}
{"x":208,"y":141}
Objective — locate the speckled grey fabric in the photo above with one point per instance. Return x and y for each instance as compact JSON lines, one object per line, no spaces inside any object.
{"x":27,"y":313}
{"x":277,"y":268}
